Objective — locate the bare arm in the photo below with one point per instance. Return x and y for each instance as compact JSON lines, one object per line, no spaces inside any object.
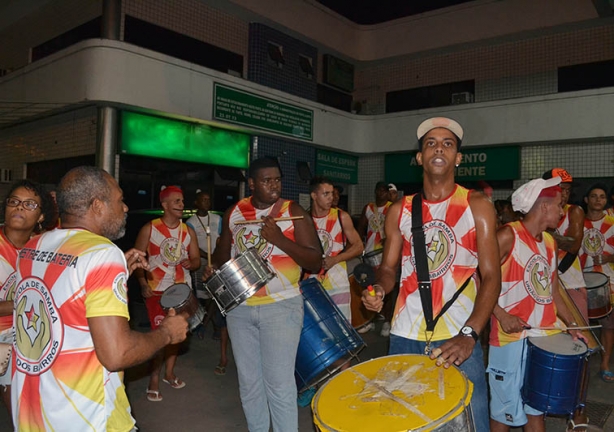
{"x":387,"y":271}
{"x":6,"y":308}
{"x":193,"y":262}
{"x":142,"y":241}
{"x":459,"y":348}
{"x":488,"y":261}
{"x":118,"y":347}
{"x":572,"y":241}
{"x":306,"y":250}
{"x":361,"y":226}
{"x":354,"y":246}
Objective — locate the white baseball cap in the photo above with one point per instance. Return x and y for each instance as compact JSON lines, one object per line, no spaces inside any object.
{"x":525,"y":196}
{"x":440,"y":122}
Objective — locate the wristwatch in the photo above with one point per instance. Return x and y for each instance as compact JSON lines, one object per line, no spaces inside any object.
{"x":468,"y":331}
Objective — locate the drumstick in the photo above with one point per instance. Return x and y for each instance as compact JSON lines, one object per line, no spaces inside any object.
{"x":208,"y":231}
{"x":564,"y":328}
{"x":281,"y":219}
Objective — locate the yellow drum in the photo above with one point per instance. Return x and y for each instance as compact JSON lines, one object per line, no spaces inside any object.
{"x":395,"y":393}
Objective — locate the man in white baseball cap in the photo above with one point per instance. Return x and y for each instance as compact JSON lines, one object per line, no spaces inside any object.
{"x":459,"y":228}
{"x":530,"y":300}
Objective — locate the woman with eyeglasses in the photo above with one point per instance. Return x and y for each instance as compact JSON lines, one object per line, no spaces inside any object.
{"x":28,"y":209}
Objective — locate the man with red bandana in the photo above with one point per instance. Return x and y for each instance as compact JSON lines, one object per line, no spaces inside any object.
{"x":529,"y":299}
{"x":172,"y":250}
{"x":459,"y":237}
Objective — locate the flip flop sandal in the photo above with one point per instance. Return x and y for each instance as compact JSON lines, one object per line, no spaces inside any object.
{"x":176,"y":383}
{"x":220,"y":370}
{"x":580,"y":427}
{"x":154,"y":396}
{"x":606,"y":376}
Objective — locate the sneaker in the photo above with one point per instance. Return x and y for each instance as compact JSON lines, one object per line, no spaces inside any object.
{"x":385,"y":329}
{"x":304,"y":399}
{"x":380,"y":317}
{"x":366,"y":328}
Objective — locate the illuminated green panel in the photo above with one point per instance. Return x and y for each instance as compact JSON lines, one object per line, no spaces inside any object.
{"x":170,"y":139}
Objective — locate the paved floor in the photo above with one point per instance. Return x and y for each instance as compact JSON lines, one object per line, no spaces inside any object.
{"x":211,"y":403}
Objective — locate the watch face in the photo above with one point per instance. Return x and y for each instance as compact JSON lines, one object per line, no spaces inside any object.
{"x":467,"y":330}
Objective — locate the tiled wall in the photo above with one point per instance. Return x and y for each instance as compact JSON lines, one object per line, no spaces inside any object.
{"x":52,"y":19}
{"x":195,"y":19}
{"x":286,"y":78}
{"x":501,"y":70}
{"x":288,"y":153}
{"x":62,"y":136}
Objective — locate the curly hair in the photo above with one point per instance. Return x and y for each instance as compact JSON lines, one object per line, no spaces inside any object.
{"x":48,"y":209}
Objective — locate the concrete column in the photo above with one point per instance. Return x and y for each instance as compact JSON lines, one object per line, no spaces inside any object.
{"x":106,"y":139}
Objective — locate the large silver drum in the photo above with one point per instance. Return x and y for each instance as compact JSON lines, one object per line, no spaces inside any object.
{"x":238,"y":279}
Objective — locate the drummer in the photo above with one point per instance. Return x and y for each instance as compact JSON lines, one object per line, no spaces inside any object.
{"x":459,"y":229}
{"x":370,"y":226}
{"x":265,"y":329}
{"x":529,"y":300}
{"x":172,"y":251}
{"x":598,"y":255}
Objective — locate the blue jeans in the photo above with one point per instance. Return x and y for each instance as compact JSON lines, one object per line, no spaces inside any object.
{"x":473,"y":368}
{"x":264,"y":342}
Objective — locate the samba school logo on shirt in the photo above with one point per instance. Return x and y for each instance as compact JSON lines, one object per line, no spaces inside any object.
{"x":440,"y":247}
{"x":326,"y":240}
{"x":170,"y":251}
{"x":593,"y":242}
{"x":536,"y":279}
{"x":38,"y":327}
{"x":248,"y":236}
{"x":119,"y":288}
{"x":7,"y":291}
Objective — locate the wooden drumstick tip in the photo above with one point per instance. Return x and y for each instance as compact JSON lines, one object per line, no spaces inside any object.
{"x":437,"y":352}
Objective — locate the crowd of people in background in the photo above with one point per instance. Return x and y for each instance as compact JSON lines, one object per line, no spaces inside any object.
{"x":64,"y":305}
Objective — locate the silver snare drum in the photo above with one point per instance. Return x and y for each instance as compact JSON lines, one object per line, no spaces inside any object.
{"x":373,"y":258}
{"x":598,"y":294}
{"x":238,"y":279}
{"x":180,"y":297}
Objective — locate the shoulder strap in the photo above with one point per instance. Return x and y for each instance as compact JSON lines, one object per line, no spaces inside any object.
{"x":422,"y":270}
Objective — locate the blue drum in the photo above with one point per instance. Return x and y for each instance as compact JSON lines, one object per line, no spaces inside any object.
{"x":326,"y":337}
{"x":553,"y":376}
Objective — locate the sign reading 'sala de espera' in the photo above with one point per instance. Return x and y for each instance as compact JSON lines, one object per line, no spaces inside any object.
{"x":339,"y":167}
{"x":493,"y":163}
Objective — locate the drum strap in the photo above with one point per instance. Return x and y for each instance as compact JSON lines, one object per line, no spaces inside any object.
{"x":422,"y":268}
{"x":566,"y":262}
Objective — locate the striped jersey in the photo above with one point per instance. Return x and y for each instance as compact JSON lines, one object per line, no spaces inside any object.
{"x":245,"y":236}
{"x":526,"y":285}
{"x":8,"y":262}
{"x":573,"y":277}
{"x":165,"y":253}
{"x":65,"y":277}
{"x":599,"y":240}
{"x":376,"y":216}
{"x":334,"y":280}
{"x":451,"y":248}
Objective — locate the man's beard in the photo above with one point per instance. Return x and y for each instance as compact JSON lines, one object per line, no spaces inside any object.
{"x":115,"y":231}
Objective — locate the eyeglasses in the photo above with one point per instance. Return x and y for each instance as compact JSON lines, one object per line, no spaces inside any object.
{"x":26,"y":204}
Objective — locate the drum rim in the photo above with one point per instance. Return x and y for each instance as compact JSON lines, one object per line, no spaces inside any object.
{"x":373,"y":253}
{"x":455,"y":411}
{"x":566,"y":335}
{"x":606,"y":279}
{"x":184,"y":302}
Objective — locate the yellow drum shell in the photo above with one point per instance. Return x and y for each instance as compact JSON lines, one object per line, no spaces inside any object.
{"x":393,"y":393}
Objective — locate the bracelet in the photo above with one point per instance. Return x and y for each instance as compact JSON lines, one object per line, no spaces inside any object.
{"x":572,"y":324}
{"x":378,"y":285}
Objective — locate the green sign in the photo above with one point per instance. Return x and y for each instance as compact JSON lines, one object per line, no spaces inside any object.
{"x":158,"y":137}
{"x":493,"y":163}
{"x":337,"y":166}
{"x":244,"y":108}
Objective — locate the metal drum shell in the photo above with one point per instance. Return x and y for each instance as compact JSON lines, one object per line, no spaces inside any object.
{"x":238,"y":279}
{"x":181,"y":298}
{"x":598,"y":294}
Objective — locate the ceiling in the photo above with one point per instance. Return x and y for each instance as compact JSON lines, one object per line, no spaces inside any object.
{"x":377,"y":11}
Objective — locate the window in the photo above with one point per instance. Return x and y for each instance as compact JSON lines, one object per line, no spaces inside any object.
{"x":305,"y":65}
{"x":276,"y":55}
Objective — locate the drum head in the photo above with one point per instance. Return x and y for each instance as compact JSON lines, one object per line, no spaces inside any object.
{"x":394,"y":393}
{"x":595,"y":279}
{"x":560,"y":343}
{"x":175,"y":295}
